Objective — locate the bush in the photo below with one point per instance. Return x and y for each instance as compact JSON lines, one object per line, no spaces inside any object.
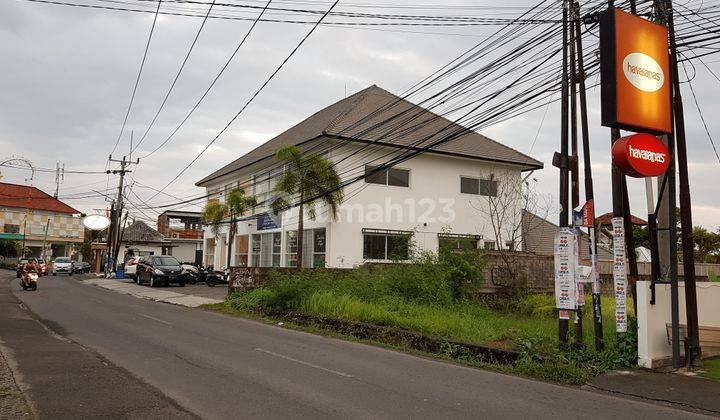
{"x":461,"y":267}
{"x":10,"y":248}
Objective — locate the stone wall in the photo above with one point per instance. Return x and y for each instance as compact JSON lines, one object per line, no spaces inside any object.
{"x":502,"y":271}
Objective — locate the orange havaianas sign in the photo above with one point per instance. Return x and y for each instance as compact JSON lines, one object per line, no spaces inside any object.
{"x":635,"y":73}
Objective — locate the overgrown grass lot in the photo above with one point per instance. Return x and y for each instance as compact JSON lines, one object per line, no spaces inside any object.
{"x":428,"y":296}
{"x":711,"y":369}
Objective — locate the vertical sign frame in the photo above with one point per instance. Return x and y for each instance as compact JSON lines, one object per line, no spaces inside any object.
{"x":619,"y":274}
{"x":565,"y":284}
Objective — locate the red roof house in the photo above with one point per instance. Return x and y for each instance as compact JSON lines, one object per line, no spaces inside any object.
{"x":26,"y":197}
{"x":606,"y":220}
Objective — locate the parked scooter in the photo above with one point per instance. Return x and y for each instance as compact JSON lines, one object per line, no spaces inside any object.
{"x":213,"y":277}
{"x":191,"y":273}
{"x":29,"y":281}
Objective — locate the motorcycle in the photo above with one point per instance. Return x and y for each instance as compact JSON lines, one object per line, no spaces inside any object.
{"x":213,"y":278}
{"x":29,"y":281}
{"x":192,"y":273}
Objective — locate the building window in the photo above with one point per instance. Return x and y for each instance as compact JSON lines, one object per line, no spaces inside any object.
{"x":255,"y":251}
{"x":386,"y":245}
{"x":458,"y":241}
{"x":241,"y":250}
{"x":266,"y":250}
{"x":318,"y":254}
{"x":276,"y":248}
{"x":11,"y":228}
{"x":510,"y":245}
{"x":209,"y":251}
{"x":391,"y":176}
{"x":490,"y":245}
{"x":214,"y":196}
{"x":291,"y":249}
{"x":313,"y":248}
{"x":263,"y":185}
{"x":475,"y":186}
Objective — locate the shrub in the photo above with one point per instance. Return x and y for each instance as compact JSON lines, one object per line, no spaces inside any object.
{"x":461,"y":267}
{"x":10,"y":248}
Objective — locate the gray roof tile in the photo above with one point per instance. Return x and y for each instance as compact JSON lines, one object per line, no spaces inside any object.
{"x":377,"y":115}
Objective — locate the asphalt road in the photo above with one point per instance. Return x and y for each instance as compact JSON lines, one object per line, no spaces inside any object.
{"x":222,"y":367}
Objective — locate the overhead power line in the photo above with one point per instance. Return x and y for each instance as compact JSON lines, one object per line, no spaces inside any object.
{"x":249,"y":101}
{"x":139,"y":75}
{"x":177,"y":76}
{"x":211,"y":85}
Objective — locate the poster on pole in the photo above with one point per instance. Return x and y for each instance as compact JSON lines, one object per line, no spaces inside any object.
{"x":565,"y":284}
{"x":619,"y":274}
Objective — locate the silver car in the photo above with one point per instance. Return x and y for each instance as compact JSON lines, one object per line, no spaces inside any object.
{"x":62,"y":265}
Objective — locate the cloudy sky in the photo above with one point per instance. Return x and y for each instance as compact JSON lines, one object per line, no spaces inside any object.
{"x":68,"y":74}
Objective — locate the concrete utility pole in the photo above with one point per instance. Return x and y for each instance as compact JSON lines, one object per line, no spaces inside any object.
{"x":115,"y":221}
{"x":589,"y":190}
{"x":59,"y":177}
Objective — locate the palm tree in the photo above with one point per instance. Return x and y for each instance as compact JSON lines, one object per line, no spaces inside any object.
{"x":312,"y":179}
{"x":215,"y":212}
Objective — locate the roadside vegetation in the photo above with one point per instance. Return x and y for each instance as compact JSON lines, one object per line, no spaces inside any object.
{"x":711,"y":369}
{"x":429,"y":297}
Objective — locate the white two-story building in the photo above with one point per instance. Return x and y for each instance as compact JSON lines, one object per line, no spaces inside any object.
{"x":444,"y":195}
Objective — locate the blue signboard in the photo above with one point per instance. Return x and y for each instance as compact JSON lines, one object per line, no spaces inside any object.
{"x":267,"y":221}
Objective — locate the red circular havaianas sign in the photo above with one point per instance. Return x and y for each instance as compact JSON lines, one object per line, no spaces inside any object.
{"x":641,"y":155}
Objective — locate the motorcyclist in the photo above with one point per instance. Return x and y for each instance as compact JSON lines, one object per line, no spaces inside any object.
{"x":30,"y":267}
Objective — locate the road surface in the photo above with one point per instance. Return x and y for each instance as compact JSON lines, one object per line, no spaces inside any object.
{"x":222,"y":367}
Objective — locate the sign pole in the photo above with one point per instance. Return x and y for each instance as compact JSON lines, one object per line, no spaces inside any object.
{"x":630,"y":245}
{"x":589,"y":190}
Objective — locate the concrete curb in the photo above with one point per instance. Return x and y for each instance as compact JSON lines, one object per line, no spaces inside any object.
{"x":147,"y":293}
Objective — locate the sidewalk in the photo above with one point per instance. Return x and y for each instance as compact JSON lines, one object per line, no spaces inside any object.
{"x":127,"y":287}
{"x":63,"y":380}
{"x":673,"y":388}
{"x":13,"y":404}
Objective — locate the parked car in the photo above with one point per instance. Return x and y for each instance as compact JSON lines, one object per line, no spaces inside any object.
{"x":21,"y":264}
{"x":62,"y":265}
{"x":157,"y":270}
{"x":131,"y":267}
{"x":43,"y":268}
{"x":81,"y":267}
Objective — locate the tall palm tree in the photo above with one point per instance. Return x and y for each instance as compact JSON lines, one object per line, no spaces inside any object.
{"x":236,"y":204}
{"x":312,"y":179}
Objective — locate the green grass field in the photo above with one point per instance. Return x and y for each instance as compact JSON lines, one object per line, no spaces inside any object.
{"x":711,"y":369}
{"x":424,"y":297}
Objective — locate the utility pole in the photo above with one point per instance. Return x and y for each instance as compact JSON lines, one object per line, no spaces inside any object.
{"x":562,"y":163}
{"x":692,"y":341}
{"x":109,"y":242}
{"x":575,"y":175}
{"x":589,"y":190}
{"x":47,"y":228}
{"x":666,"y":216}
{"x":59,"y":177}
{"x":115,"y":221}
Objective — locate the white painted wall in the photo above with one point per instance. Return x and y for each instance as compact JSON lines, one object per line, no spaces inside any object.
{"x":430,"y":205}
{"x":653,"y":347}
{"x":184,"y":251}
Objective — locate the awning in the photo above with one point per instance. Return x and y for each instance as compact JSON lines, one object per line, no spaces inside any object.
{"x":459,"y":236}
{"x":14,"y":236}
{"x":392,"y":232}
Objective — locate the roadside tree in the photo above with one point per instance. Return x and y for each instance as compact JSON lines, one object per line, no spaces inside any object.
{"x":311,"y":179}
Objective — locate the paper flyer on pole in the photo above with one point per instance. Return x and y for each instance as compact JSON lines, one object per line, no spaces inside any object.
{"x":619,"y":274}
{"x":565,"y":284}
{"x":579,"y":286}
